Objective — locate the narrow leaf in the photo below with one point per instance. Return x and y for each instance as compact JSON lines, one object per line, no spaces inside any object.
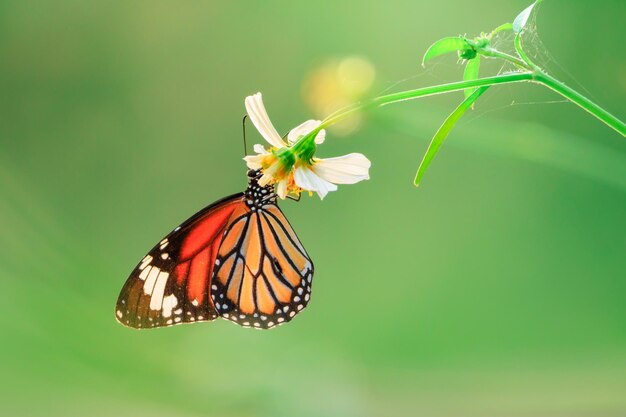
{"x":501,"y":28}
{"x":444,"y":46}
{"x":444,"y":131}
{"x":520,"y":21}
{"x":471,"y":73}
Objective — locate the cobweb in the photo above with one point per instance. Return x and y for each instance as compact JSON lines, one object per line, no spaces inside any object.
{"x":436,"y":72}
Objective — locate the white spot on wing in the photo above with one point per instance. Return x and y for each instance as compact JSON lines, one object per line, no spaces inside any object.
{"x":157,"y":295}
{"x":119,"y":314}
{"x":148,"y":286}
{"x":144,"y":273}
{"x":145,"y":262}
{"x":169,"y":303}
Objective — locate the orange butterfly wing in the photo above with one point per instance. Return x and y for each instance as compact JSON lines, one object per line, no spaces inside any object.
{"x":171,"y":284}
{"x":263,"y":274}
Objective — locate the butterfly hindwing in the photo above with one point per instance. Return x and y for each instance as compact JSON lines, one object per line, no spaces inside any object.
{"x":263,"y":274}
{"x":171,"y":283}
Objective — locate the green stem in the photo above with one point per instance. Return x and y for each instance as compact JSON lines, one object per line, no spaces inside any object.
{"x":337,"y":116}
{"x":422,"y":92}
{"x":537,"y":76}
{"x":581,"y":101}
{"x":520,"y":51}
{"x":494,"y":53}
{"x":501,"y":28}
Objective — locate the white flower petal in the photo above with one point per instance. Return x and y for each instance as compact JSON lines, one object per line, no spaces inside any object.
{"x":254,"y":161}
{"x":305,"y":128}
{"x":268,"y":174}
{"x":259,"y":149}
{"x":281,"y":188}
{"x":321,"y":136}
{"x":308,"y":180}
{"x":265,"y":179}
{"x":260,"y":119}
{"x":347,"y":169}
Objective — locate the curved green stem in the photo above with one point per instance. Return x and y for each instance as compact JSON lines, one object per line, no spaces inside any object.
{"x":581,"y":101}
{"x":501,"y":28}
{"x":305,"y":146}
{"x":380,"y":101}
{"x":421,"y":92}
{"x":536,"y":76}
{"x":494,"y":53}
{"x":520,"y":51}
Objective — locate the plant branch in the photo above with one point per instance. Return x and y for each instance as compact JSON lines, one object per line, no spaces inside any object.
{"x":420,"y":92}
{"x":474,"y":87}
{"x":520,"y":51}
{"x":494,"y":53}
{"x":537,"y":76}
{"x":581,"y":101}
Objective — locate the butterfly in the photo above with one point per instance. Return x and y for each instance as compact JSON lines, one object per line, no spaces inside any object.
{"x":238,"y":258}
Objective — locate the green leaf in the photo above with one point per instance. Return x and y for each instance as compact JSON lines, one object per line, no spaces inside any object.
{"x":444,"y":46}
{"x":444,"y":131}
{"x":520,"y":21}
{"x":471,"y":73}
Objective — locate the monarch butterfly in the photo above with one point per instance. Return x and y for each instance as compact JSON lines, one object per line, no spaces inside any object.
{"x":238,"y":259}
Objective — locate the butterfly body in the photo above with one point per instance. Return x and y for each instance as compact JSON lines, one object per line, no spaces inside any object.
{"x":238,"y":259}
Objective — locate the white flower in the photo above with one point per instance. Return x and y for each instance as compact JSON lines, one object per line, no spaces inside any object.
{"x":287,"y":169}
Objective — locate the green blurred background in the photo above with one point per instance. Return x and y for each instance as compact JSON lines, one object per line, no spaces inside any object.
{"x":495,"y":289}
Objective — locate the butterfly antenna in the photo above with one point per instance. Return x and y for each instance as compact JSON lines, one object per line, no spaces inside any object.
{"x":245,"y":146}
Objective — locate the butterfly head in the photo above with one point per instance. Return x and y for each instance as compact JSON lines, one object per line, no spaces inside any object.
{"x":257,"y":195}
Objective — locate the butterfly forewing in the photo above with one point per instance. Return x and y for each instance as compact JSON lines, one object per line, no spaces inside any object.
{"x":171,"y":283}
{"x":262,"y":275}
